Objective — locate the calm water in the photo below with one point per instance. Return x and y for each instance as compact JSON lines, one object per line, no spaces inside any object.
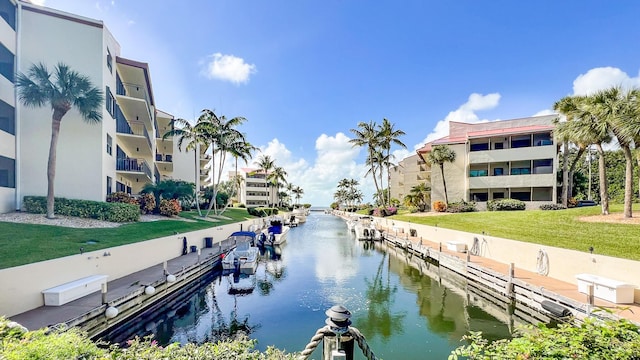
{"x":404,"y":313}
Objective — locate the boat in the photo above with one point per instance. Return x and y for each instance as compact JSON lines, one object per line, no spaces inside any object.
{"x":365,"y":229}
{"x":241,"y":284}
{"x":243,"y":258}
{"x":242,"y":236}
{"x":275,"y":234}
{"x":291,"y":221}
{"x":301,"y":214}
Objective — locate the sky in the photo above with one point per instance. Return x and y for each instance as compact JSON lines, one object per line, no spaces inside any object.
{"x":303,"y":73}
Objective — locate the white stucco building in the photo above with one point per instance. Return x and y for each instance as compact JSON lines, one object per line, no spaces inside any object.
{"x":123,"y":152}
{"x":514,"y":159}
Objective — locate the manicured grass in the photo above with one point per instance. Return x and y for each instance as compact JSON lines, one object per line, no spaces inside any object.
{"x":560,"y":228}
{"x":26,"y":243}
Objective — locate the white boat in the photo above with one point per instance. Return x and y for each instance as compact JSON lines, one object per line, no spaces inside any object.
{"x":291,"y":221}
{"x":243,"y":258}
{"x":365,"y":229}
{"x":300,"y":214}
{"x":275,"y":234}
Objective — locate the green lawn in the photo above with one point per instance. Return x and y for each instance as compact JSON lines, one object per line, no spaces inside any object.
{"x":25,"y":243}
{"x":559,"y":228}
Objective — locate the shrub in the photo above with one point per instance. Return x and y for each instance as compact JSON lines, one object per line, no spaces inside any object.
{"x":170,"y":207}
{"x":242,"y":206}
{"x":439,"y":206}
{"x":505,"y":205}
{"x":572,"y":202}
{"x":391,"y":210}
{"x":461,"y":206}
{"x":552,"y":207}
{"x":413,"y":209}
{"x":114,"y":211}
{"x":121,"y":197}
{"x":148,"y":203}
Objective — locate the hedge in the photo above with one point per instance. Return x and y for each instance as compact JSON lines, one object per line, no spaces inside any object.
{"x":505,"y":205}
{"x":114,"y":212}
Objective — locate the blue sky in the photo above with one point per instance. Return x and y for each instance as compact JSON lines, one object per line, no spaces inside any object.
{"x":305,"y":72}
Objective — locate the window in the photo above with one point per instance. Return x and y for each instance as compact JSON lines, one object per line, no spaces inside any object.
{"x":520,"y":141}
{"x":521,"y":195}
{"x":109,"y":145}
{"x":498,"y":195}
{"x":543,"y":166}
{"x":120,"y":187}
{"x":483,"y":196}
{"x":476,"y":173}
{"x":498,"y":146}
{"x":7,"y":172}
{"x":109,"y":61}
{"x":7,"y":118}
{"x":110,"y":102}
{"x":479,"y":147}
{"x":498,"y":171}
{"x":109,"y":184}
{"x":542,"y":139}
{"x":6,"y":63}
{"x":8,"y":13}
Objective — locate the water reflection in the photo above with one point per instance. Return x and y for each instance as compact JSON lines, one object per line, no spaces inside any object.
{"x":406,"y":308}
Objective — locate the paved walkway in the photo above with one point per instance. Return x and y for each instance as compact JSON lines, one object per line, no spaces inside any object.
{"x":51,"y":315}
{"x":569,"y":290}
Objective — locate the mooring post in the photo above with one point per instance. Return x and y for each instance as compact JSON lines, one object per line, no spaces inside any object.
{"x":590,"y":298}
{"x":340,"y":344}
{"x":510,"y":282}
{"x":164,"y":268}
{"x":104,"y":293}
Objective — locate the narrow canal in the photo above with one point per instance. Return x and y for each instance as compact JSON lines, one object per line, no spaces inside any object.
{"x":402,"y":311}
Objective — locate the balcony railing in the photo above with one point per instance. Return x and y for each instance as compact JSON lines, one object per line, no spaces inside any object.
{"x":132,"y":128}
{"x":166,"y":158}
{"x":134,"y":165}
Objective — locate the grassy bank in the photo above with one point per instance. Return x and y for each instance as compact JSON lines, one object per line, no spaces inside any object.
{"x":554,"y":228}
{"x":26,"y":243}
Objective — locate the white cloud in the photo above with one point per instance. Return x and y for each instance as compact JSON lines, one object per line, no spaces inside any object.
{"x":38,"y":2}
{"x":544,"y":112}
{"x":465,"y":113}
{"x":228,"y":68}
{"x":603,"y":78}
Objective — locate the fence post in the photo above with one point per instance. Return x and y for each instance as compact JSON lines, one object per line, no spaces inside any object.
{"x":338,"y":346}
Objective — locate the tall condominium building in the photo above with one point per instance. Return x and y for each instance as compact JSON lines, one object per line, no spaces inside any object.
{"x":122,"y":152}
{"x":514,"y":159}
{"x":409,"y":172}
{"x":253,"y":190}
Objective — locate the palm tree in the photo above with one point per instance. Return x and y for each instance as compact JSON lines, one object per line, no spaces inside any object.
{"x":298,"y":191}
{"x":194,"y":138}
{"x":441,"y":154}
{"x":290,"y":188}
{"x":618,"y":109}
{"x":67,"y":89}
{"x":266,"y":164}
{"x":388,"y":136}
{"x":367,"y":135}
{"x":419,"y":196}
{"x":277,"y":177}
{"x":243,"y":150}
{"x":569,"y":107}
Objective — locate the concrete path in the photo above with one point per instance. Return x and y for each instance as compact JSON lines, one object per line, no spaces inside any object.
{"x":51,"y":315}
{"x":569,"y":290}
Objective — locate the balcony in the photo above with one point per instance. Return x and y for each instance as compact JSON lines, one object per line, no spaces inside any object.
{"x":134,"y":101}
{"x":134,"y":131}
{"x":511,"y":181}
{"x":515,"y":154}
{"x":139,"y":166}
{"x":166,"y":158}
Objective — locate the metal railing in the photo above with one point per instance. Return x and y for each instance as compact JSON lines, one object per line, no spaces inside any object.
{"x":131,"y":127}
{"x":166,"y":158}
{"x":134,"y":165}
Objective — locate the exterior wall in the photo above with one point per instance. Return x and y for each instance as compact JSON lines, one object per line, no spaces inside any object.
{"x":22,"y":285}
{"x":7,"y":139}
{"x":79,"y":169}
{"x":184,"y":165}
{"x":410,"y":172}
{"x":563,"y":264}
{"x":455,"y":175}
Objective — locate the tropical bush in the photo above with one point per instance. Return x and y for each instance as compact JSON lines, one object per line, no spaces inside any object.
{"x":413,"y":209}
{"x":147,"y":203}
{"x":121,"y":197}
{"x":114,"y":211}
{"x":593,"y":339}
{"x":505,"y":205}
{"x":461,"y":206}
{"x":170,"y":207}
{"x":552,"y":207}
{"x":572,"y":202}
{"x":439,"y":206}
{"x":262,"y":211}
{"x":73,"y":344}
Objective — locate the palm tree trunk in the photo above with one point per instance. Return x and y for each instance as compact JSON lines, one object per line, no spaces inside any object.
{"x":602,"y":175}
{"x":565,"y":173}
{"x":212,"y":203}
{"x":373,"y":174}
{"x":51,"y":165}
{"x":197,"y":190}
{"x":628,"y":182}
{"x":572,"y":170}
{"x":444,"y":184}
{"x":638,"y":167}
